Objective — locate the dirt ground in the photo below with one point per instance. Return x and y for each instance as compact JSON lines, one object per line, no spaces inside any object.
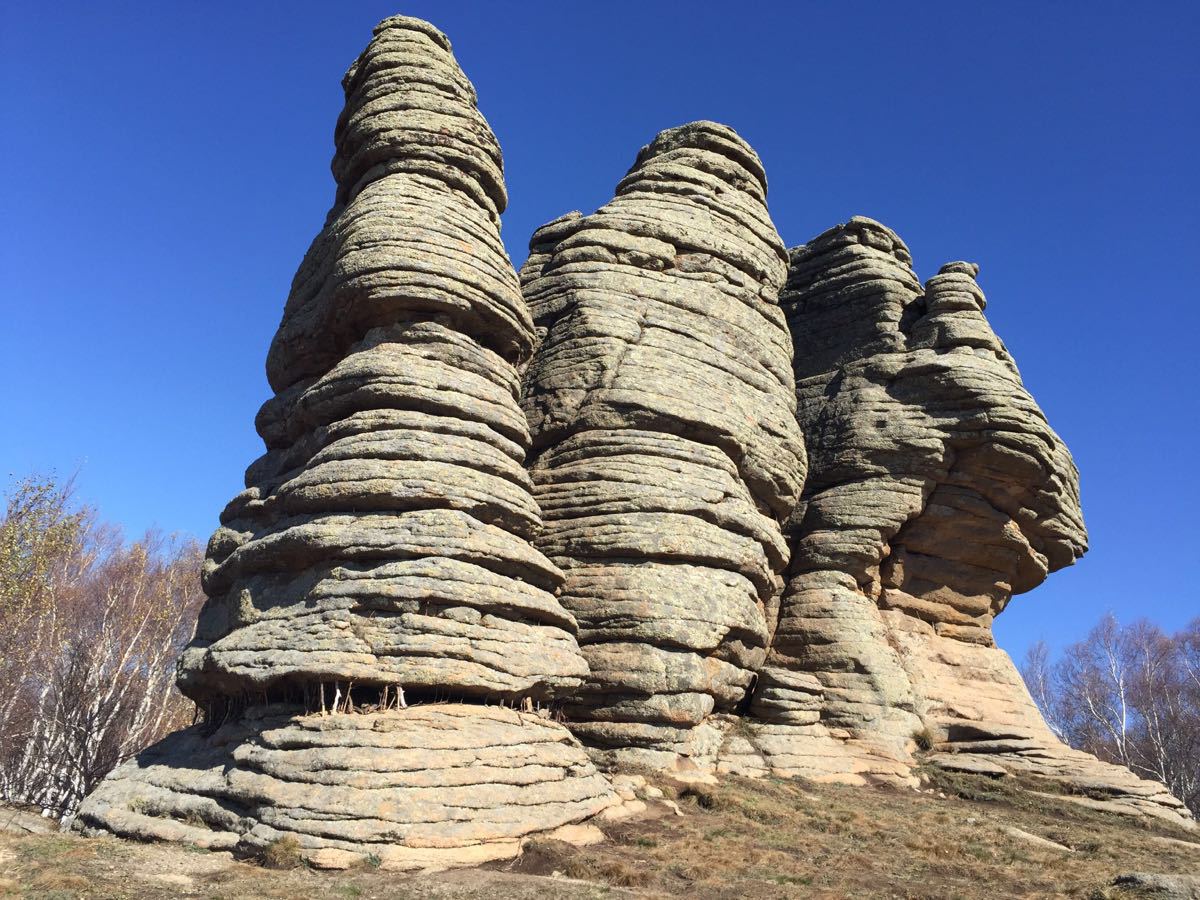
{"x":964,"y":837}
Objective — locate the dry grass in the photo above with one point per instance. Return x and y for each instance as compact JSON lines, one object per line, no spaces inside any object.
{"x":554,"y":858}
{"x":281,"y":854}
{"x":742,"y":839}
{"x":769,"y":838}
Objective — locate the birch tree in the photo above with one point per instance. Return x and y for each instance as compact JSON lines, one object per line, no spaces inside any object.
{"x":90,"y":627}
{"x":1129,"y":695}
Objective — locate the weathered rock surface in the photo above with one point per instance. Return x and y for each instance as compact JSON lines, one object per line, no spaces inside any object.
{"x":382,"y":547}
{"x":936,"y":491}
{"x":384,"y":537}
{"x":666,"y":453}
{"x":419,"y":788}
{"x":587,"y":487}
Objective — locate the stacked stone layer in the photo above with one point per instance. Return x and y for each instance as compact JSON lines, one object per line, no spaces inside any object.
{"x":587,"y":487}
{"x":937,"y":490}
{"x":385,"y":536}
{"x":666,"y":451}
{"x":382,"y":549}
{"x":976,"y":704}
{"x":421,"y":788}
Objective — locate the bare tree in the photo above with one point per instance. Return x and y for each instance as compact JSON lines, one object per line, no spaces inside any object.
{"x":1130,"y":695}
{"x":90,"y":628}
{"x":1039,"y":675}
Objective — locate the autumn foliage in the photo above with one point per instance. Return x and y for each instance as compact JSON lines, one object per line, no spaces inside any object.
{"x":90,"y":627}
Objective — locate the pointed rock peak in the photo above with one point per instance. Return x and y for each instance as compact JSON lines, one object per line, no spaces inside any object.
{"x":554,"y":231}
{"x":410,"y":23}
{"x":954,"y":288}
{"x":545,"y":239}
{"x":859,"y":230}
{"x":399,"y":23}
{"x":853,"y":284}
{"x":410,"y":108}
{"x":960,"y":268}
{"x":709,"y":147}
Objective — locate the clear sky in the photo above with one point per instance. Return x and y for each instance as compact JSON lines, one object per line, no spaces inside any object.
{"x":166,"y":164}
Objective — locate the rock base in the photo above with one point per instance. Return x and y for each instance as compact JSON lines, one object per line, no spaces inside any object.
{"x":974,"y":701}
{"x":1086,"y":780}
{"x":814,"y":752}
{"x":969,"y":703}
{"x":428,"y":787}
{"x":727,"y":744}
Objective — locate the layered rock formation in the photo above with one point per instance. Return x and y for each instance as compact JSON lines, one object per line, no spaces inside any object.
{"x":381,"y":552}
{"x":384,"y":537}
{"x":666,"y":452}
{"x":430,"y":787}
{"x":487,"y":508}
{"x":937,"y":491}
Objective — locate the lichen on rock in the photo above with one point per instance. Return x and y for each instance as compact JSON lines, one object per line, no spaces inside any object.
{"x":381,"y":552}
{"x":507,"y":529}
{"x":425,"y":788}
{"x":384,"y":537}
{"x":937,"y":490}
{"x":666,"y":454}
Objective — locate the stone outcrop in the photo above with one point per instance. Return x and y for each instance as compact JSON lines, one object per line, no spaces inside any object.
{"x":440,"y":785}
{"x":937,"y":491}
{"x":384,"y":537}
{"x":666,"y":453}
{"x":381,"y":553}
{"x":1164,"y":887}
{"x":506,"y":529}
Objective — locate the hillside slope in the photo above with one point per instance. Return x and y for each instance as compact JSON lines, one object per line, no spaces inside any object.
{"x":963,"y":836}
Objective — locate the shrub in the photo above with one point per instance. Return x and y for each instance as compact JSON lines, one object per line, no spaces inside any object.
{"x":283,"y":853}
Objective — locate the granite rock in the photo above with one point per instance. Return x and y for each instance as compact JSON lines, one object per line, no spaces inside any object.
{"x":385,"y":536}
{"x":381,"y":554}
{"x":490,"y":505}
{"x":936,"y":491}
{"x":666,"y":454}
{"x":421,"y":788}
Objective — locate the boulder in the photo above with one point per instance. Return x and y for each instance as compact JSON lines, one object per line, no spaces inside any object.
{"x":421,"y":788}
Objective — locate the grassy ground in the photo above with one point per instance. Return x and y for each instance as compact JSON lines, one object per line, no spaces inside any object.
{"x":742,"y":839}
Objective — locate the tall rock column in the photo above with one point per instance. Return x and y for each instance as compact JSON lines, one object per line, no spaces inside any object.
{"x":666,"y":453}
{"x":384,"y":537}
{"x":833,"y":699}
{"x":937,"y":491}
{"x":381,"y":553}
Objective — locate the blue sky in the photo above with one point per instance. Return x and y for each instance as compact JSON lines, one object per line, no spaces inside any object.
{"x":166,"y":165}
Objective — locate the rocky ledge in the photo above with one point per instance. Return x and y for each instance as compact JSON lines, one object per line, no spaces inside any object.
{"x":421,"y":788}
